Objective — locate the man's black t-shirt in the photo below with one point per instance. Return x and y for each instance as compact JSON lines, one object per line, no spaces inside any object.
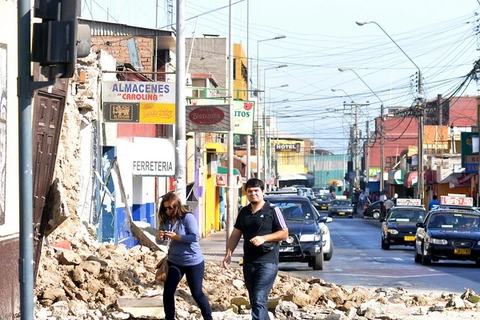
{"x":267,"y":220}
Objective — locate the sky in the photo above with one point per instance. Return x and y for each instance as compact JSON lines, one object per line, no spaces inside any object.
{"x":438,"y":38}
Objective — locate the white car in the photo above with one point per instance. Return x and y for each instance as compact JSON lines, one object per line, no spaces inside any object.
{"x":327,"y":247}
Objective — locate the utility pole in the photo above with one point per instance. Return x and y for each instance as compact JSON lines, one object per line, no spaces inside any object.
{"x":356,"y":141}
{"x":367,"y":158}
{"x":421,"y":123}
{"x":382,"y":127}
{"x":180,"y":134}
{"x":420,"y":115}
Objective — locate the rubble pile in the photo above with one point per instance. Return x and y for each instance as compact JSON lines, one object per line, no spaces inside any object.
{"x":80,"y":278}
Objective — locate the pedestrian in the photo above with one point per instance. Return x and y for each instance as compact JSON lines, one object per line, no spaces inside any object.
{"x":433,"y":203}
{"x":388,"y":205}
{"x":184,"y":255}
{"x":223,"y":215}
{"x":260,"y":223}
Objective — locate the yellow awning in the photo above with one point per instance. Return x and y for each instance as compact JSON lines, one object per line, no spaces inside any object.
{"x":217,"y":147}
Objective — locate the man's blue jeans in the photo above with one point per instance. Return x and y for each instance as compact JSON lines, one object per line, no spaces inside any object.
{"x":259,"y":279}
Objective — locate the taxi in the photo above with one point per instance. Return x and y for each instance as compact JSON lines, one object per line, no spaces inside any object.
{"x":400,"y":225}
{"x":449,"y":233}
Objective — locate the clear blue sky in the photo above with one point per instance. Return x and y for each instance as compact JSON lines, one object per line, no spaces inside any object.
{"x":439,"y":36}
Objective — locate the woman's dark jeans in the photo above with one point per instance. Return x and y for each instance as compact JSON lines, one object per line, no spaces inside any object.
{"x":259,"y":279}
{"x":194,"y":276}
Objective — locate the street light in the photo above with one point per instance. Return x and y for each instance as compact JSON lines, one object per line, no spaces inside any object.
{"x":420,"y":183}
{"x":356,"y":144}
{"x":264,"y":131}
{"x":382,"y":129}
{"x":271,"y":126}
{"x":259,"y":115}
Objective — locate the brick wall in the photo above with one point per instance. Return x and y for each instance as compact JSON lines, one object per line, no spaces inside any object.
{"x":117,"y":47}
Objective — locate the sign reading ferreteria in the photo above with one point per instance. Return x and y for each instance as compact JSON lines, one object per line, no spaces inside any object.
{"x":138,"y":102}
{"x":153,"y":157}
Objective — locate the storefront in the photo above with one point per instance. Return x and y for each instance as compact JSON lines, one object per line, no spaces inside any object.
{"x":395,"y":183}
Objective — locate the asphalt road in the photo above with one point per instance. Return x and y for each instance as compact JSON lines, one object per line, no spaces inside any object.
{"x":359,"y":260}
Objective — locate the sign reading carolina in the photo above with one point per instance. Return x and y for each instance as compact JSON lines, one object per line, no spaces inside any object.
{"x":153,"y":102}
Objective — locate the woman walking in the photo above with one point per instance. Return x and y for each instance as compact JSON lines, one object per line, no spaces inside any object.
{"x":184,"y":255}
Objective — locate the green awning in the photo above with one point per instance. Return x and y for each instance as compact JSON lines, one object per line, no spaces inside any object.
{"x":224,"y":170}
{"x":396,"y":176}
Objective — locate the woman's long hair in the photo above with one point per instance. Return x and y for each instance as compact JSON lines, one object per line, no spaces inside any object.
{"x":178,"y":210}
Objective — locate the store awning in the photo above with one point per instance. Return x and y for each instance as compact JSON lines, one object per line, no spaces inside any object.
{"x":292,"y":176}
{"x":459,"y":179}
{"x":224,"y":170}
{"x":217,"y":147}
{"x":410,"y":179}
{"x":395,"y":176}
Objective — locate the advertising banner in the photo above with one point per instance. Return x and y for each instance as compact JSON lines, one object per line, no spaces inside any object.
{"x":243,"y":113}
{"x":153,"y":157}
{"x":138,"y":102}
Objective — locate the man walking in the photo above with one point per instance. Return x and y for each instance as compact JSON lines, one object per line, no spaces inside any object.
{"x":260,"y":223}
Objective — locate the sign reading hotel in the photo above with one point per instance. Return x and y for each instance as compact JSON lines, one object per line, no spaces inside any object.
{"x":138,"y":102}
{"x":153,"y":157}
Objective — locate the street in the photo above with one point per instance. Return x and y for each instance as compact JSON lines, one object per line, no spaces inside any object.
{"x":358,"y":260}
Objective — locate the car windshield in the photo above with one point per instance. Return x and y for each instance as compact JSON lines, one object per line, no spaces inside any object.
{"x":406,"y":216}
{"x":454,"y":221}
{"x":341,"y":203}
{"x":325,"y":197}
{"x":294,"y":210}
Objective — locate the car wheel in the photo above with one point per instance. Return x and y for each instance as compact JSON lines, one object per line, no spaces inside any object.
{"x":418,"y":257}
{"x":425,"y":260}
{"x":385,"y":245}
{"x":376,"y":215}
{"x":318,"y":262}
{"x":328,"y":256}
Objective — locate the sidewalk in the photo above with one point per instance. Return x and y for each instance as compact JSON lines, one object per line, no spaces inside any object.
{"x":214,"y":247}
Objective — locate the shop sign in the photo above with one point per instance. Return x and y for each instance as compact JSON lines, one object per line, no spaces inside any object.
{"x":153,"y":157}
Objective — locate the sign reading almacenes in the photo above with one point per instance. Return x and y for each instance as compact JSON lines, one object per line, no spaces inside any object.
{"x":139,"y":91}
{"x":138,"y":102}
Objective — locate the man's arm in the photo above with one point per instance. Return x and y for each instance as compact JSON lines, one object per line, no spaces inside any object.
{"x":231,"y":245}
{"x":272,"y":237}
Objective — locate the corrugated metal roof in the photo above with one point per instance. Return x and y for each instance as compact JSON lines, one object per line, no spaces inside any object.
{"x":103,"y":28}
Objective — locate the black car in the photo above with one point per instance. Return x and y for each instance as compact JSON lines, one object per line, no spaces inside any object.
{"x":305,"y":239}
{"x":375,"y":210}
{"x":400,"y":226}
{"x":323,"y":202}
{"x":448,"y":235}
{"x":342,"y":208}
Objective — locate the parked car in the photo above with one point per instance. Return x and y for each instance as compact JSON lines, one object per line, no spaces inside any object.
{"x":400,"y":226}
{"x":448,"y":235}
{"x":323,"y":202}
{"x":375,"y":210}
{"x":318,"y":191}
{"x":309,"y":238}
{"x":343,"y":208}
